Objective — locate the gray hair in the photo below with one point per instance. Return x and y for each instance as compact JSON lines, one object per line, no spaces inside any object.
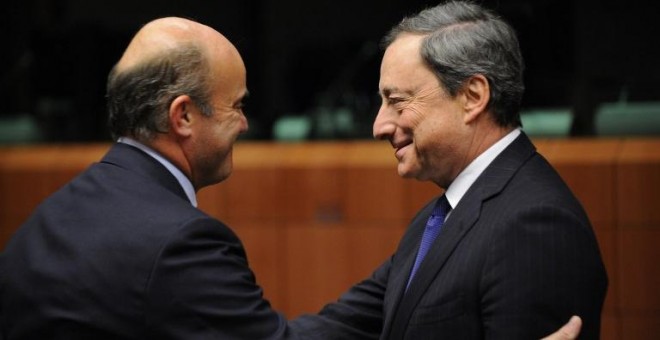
{"x":138,"y":98}
{"x":462,"y":40}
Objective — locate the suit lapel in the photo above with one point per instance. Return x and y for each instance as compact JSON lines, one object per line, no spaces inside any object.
{"x":456,"y":226}
{"x":462,"y":218}
{"x":403,"y":262}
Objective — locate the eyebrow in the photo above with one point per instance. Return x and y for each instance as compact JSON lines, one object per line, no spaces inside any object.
{"x":388,"y":91}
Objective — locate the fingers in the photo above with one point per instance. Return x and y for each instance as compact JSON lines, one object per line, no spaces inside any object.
{"x":569,"y":331}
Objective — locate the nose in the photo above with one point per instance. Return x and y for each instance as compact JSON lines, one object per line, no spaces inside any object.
{"x":384,"y":125}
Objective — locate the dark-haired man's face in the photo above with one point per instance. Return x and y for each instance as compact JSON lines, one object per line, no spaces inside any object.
{"x":215,"y":135}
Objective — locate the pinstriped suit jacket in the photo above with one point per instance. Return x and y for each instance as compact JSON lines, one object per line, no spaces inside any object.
{"x":514,"y":260}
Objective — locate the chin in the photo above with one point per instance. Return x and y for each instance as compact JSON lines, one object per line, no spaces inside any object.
{"x":223,"y":176}
{"x":406,"y":172}
{"x":215,"y":179}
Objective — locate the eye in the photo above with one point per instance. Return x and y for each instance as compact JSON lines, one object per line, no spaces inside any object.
{"x":394,"y":100}
{"x":239,"y":106}
{"x":240,"y":103}
{"x":399,"y":104}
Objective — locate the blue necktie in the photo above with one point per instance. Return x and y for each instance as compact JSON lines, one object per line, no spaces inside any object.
{"x":431,"y":231}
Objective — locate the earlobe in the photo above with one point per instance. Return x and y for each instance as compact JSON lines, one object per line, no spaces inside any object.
{"x":180,"y":116}
{"x":477,"y":96}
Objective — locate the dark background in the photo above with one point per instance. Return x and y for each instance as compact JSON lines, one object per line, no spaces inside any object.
{"x":307,"y":58}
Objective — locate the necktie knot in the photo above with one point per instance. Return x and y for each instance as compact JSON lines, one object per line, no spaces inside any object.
{"x":442,"y":207}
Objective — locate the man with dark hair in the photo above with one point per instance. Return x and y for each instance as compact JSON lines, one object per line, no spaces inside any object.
{"x":121,"y":252}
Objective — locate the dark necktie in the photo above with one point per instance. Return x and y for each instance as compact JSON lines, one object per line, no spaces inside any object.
{"x":431,"y":231}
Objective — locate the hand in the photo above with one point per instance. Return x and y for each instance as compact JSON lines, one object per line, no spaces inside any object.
{"x":569,"y":331}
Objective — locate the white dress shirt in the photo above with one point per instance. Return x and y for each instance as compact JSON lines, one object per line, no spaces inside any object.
{"x":466,"y":178}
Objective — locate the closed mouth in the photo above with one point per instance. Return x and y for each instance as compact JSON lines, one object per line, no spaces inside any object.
{"x":400,"y":148}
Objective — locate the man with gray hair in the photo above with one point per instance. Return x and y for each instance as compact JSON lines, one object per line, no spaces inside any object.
{"x":507,"y":251}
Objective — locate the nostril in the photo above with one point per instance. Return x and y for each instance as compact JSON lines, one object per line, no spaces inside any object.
{"x":383,"y":130}
{"x":377,"y":134}
{"x":380,"y":136}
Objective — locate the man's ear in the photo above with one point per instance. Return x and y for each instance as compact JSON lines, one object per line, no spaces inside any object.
{"x":477,"y":96}
{"x":180,"y":116}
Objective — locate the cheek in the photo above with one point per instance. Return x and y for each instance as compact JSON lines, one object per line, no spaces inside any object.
{"x":434,"y":140}
{"x":412,"y":116}
{"x":427,"y":132}
{"x":232,"y":125}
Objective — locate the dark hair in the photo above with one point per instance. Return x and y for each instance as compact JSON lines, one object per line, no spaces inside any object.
{"x":139,"y":98}
{"x":462,"y":40}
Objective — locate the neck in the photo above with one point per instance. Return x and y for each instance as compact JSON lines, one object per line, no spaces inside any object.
{"x":485,"y":135}
{"x":172,"y":151}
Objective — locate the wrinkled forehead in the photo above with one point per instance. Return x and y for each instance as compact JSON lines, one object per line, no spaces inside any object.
{"x":403,"y":67}
{"x":404,"y":49}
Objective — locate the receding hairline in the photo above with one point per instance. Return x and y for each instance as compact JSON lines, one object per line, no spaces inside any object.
{"x":158,"y":37}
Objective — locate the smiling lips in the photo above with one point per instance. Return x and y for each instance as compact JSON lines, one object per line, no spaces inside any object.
{"x":401,"y":149}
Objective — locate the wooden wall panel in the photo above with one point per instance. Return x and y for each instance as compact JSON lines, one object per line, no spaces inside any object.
{"x":589,"y":168}
{"x":264,"y":244}
{"x":375,"y":194}
{"x":545,"y":146}
{"x":255,"y":194}
{"x":639,"y":270}
{"x":640,"y":326}
{"x":372,"y":171}
{"x":610,"y":327}
{"x":639,"y":184}
{"x":611,"y":316}
{"x":638,"y":187}
{"x":29,"y":174}
{"x":324,"y":261}
{"x":212,"y":201}
{"x":315,"y":195}
{"x":287,"y":182}
{"x":317,"y":217}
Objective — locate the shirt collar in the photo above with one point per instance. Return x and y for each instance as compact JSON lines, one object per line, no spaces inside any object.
{"x":469,"y":175}
{"x":180,"y":177}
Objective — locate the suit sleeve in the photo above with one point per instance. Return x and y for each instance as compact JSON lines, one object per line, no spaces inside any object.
{"x":357,"y":314}
{"x":543,"y":267}
{"x":202,"y":288}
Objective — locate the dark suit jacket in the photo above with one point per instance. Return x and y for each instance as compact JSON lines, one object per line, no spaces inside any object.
{"x":514,"y":260}
{"x":120,"y":253}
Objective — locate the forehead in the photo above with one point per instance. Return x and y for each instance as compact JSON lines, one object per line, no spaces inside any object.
{"x":228,"y":73}
{"x":402,"y":68}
